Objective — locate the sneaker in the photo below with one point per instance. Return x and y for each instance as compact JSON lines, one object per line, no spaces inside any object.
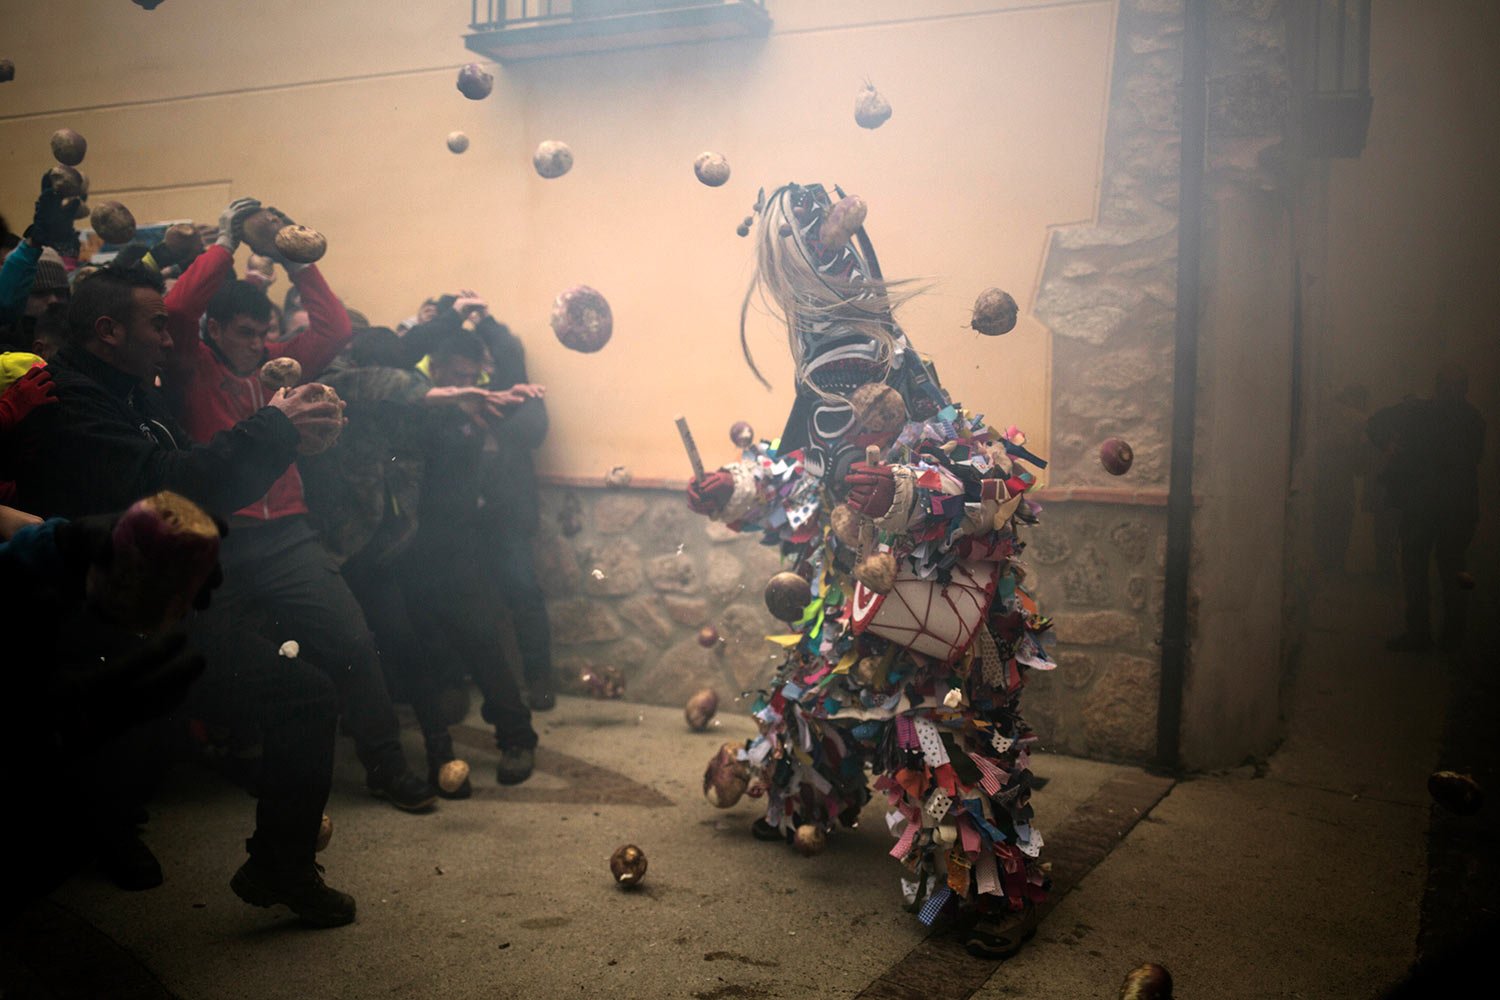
{"x":542,"y":693}
{"x":300,"y":888}
{"x":403,"y":790}
{"x":516,"y":765}
{"x":129,"y":863}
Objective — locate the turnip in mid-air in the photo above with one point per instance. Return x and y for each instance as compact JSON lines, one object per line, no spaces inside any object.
{"x":844,"y":220}
{"x":474,"y":83}
{"x":871,"y":109}
{"x":582,"y":320}
{"x":113,"y":222}
{"x":712,"y":169}
{"x":68,"y":146}
{"x":995,"y":313}
{"x":552,"y":159}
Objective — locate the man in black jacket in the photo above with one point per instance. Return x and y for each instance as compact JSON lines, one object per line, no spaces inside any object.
{"x":508,"y":516}
{"x":452,"y":580}
{"x":110,"y":440}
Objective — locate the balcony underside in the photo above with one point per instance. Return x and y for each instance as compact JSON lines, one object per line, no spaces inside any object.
{"x":516,"y":41}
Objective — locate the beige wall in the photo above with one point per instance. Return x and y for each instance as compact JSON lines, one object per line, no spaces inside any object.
{"x":336,"y":112}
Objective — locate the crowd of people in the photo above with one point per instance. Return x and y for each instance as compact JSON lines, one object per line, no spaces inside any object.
{"x":349,"y":577}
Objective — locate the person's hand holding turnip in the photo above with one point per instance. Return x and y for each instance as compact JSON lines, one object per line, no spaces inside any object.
{"x":470,"y":305}
{"x":317,"y":417}
{"x":52,"y":220}
{"x":232,"y":222}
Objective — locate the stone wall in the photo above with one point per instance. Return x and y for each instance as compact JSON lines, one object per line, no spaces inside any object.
{"x":631,"y":576}
{"x":1097,"y":570}
{"x":1108,"y":294}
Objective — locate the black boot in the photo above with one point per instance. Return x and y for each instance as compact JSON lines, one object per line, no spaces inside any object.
{"x":298,"y":886}
{"x":401,"y":788}
{"x":516,"y":765}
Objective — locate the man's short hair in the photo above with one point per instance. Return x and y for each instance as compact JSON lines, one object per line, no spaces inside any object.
{"x":459,"y":344}
{"x":237,"y":297}
{"x":376,"y":347}
{"x":109,"y":291}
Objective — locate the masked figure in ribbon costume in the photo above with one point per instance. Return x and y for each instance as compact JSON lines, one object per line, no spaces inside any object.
{"x":897,"y":513}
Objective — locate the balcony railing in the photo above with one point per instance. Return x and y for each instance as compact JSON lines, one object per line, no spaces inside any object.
{"x":509,"y":30}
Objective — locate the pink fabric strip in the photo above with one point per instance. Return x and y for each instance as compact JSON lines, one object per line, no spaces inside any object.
{"x":970,"y":835}
{"x":903,"y":846}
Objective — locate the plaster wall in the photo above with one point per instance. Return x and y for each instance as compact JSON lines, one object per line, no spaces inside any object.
{"x":336,"y":112}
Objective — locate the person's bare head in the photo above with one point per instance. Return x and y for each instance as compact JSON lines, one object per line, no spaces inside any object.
{"x":119,"y":316}
{"x":458,"y":359}
{"x":239,"y":318}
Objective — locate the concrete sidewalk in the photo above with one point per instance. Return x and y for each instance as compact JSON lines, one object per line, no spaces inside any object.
{"x":1302,"y":878}
{"x":1299,"y":878}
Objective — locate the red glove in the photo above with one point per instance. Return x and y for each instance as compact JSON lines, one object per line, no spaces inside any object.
{"x":711,"y":493}
{"x":25,"y":394}
{"x":872,"y":488}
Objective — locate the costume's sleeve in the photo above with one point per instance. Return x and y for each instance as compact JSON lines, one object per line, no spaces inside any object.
{"x":16,"y":277}
{"x":526,"y":425}
{"x":328,"y":327}
{"x":187,"y":301}
{"x":753,"y":501}
{"x":234,"y":469}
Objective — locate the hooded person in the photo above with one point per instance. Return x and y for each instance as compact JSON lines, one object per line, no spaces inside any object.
{"x":898,"y":515}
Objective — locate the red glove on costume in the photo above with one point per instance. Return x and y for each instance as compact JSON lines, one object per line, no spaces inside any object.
{"x":710,"y":494}
{"x":872,"y":488}
{"x":24,"y":395}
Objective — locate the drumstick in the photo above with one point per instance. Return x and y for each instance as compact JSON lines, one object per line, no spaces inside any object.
{"x":692,"y":449}
{"x":867,"y":525}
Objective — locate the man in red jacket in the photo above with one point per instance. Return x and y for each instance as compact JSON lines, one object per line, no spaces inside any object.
{"x":278,"y":578}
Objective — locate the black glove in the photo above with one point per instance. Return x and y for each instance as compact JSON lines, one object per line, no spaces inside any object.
{"x":52,"y":221}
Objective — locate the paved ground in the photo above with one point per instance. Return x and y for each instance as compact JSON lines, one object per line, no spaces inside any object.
{"x":1300,"y":878}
